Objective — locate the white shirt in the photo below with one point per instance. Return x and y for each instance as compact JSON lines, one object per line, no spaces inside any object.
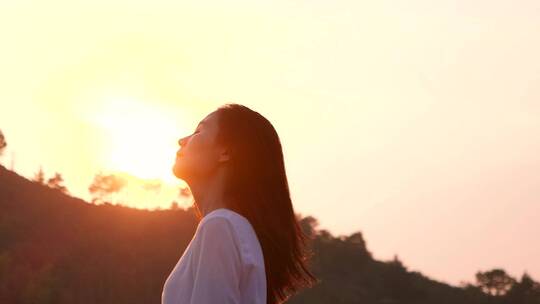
{"x":223,"y":263}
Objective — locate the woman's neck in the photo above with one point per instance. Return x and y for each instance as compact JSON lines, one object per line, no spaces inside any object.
{"x":209,"y":194}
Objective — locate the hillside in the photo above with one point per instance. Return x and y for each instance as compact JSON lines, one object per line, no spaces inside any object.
{"x":55,"y":248}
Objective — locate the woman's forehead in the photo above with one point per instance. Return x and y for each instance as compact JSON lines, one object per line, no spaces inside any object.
{"x":209,"y":119}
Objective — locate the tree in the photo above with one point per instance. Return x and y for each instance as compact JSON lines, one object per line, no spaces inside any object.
{"x":397,"y":263}
{"x":356,"y":240}
{"x":174,"y":206}
{"x":3,"y":142}
{"x":40,"y":176}
{"x":105,"y":185}
{"x":56,"y":182}
{"x":494,"y":282}
{"x":525,"y":291}
{"x":184,"y":192}
{"x":309,"y":225}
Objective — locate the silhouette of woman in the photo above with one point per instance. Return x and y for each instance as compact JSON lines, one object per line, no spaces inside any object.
{"x":248,"y":246}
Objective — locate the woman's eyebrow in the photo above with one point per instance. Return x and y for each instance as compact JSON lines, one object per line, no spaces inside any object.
{"x":199,"y":125}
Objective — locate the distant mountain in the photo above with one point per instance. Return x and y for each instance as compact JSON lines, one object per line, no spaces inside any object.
{"x":55,"y":248}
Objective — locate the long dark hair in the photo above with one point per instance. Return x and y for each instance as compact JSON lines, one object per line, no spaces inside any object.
{"x":256,"y":187}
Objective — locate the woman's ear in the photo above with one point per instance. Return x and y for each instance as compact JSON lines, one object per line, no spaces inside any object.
{"x":224,"y":155}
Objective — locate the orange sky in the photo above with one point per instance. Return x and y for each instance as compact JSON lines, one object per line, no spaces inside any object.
{"x":415,"y":122}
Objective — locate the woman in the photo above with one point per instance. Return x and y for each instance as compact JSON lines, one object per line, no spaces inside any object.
{"x":248,"y":246}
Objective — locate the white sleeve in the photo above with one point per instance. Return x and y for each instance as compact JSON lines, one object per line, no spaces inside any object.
{"x":217,"y":265}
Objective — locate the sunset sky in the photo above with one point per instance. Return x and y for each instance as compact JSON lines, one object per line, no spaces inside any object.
{"x":415,"y":122}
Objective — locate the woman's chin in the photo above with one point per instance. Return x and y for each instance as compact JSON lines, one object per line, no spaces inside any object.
{"x":177,"y":171}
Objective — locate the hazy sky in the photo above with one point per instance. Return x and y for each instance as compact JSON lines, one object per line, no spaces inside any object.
{"x":415,"y":122}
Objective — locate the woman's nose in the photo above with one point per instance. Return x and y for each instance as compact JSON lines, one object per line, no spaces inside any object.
{"x":182,"y":141}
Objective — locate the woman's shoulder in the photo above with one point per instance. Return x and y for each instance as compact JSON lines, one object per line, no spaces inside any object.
{"x":228,"y":219}
{"x":242,"y":231}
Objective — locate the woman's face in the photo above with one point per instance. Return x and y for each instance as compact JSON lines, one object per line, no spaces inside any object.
{"x":199,"y":155}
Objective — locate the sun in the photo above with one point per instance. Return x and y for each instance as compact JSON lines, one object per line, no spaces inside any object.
{"x":141,"y":138}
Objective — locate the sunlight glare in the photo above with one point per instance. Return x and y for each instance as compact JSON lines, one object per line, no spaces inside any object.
{"x":142,"y":138}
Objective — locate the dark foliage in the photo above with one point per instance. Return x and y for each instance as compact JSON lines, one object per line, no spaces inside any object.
{"x":3,"y":142}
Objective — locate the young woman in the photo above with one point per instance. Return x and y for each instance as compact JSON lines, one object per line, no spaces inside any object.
{"x":248,"y":246}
